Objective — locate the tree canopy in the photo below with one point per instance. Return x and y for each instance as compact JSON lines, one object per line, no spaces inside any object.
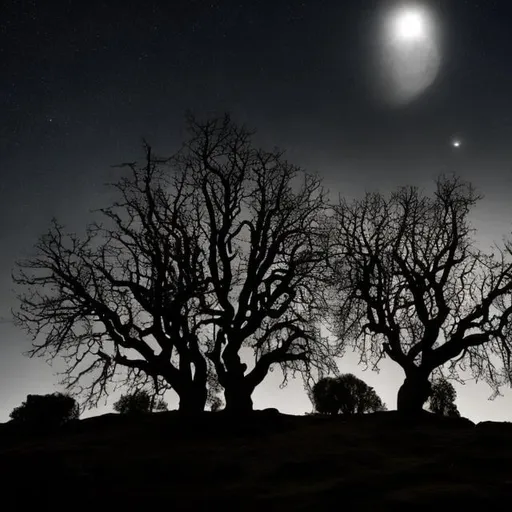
{"x":219,"y":263}
{"x":412,"y":285}
{"x":216,"y":250}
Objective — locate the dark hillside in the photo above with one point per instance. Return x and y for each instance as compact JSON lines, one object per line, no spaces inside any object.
{"x":266,"y":461}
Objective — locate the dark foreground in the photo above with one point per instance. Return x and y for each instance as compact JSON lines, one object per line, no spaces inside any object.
{"x":264,"y":462}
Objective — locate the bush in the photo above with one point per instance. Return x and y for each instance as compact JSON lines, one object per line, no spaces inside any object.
{"x":138,"y":403}
{"x":442,"y":399}
{"x":42,"y":412}
{"x":345,"y":394}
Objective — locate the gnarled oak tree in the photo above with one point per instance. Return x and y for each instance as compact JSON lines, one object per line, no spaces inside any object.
{"x":214,"y":250}
{"x":413,"y":286}
{"x":123,"y":299}
{"x":263,"y":241}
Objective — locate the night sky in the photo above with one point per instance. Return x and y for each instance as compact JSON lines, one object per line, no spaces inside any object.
{"x":82,"y":82}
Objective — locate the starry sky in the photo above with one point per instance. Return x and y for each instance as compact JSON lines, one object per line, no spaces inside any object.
{"x":82,"y":82}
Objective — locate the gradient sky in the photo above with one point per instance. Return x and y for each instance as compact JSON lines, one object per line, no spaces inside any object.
{"x":82,"y":82}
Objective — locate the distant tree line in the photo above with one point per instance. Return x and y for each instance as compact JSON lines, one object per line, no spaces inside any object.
{"x":225,"y":249}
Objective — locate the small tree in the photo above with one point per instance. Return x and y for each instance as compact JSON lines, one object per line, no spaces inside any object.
{"x":139,"y":402}
{"x":324,"y":396}
{"x":442,"y":399}
{"x":346,"y":394}
{"x":45,"y":411}
{"x":369,"y":401}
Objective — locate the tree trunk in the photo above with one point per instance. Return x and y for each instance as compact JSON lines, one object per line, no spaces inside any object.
{"x":193,"y":401}
{"x":413,"y":393}
{"x":238,"y":398}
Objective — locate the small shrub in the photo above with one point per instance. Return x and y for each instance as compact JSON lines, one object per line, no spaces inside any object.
{"x":139,"y":402}
{"x":345,"y":394}
{"x":325,"y":399}
{"x":442,"y":399}
{"x":43,"y":412}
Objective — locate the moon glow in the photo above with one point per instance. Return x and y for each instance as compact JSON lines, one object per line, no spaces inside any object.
{"x":408,"y":52}
{"x":409,"y":25}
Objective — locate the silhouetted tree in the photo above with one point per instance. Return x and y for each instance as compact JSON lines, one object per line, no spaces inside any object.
{"x":263,"y":220}
{"x":413,"y":286}
{"x":324,"y":396}
{"x":39,"y":412}
{"x":442,"y":399}
{"x":212,"y":251}
{"x":345,"y":394}
{"x":122,"y":300}
{"x":139,"y":402}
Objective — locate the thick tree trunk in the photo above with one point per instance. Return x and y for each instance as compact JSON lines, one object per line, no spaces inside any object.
{"x":237,"y":387}
{"x":413,"y":393}
{"x":193,"y":401}
{"x":238,"y":398}
{"x":192,"y":388}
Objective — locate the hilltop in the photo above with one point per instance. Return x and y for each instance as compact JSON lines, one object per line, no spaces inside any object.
{"x":265,"y":461}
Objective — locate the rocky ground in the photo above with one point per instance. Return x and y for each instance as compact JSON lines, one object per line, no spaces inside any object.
{"x":266,"y":461}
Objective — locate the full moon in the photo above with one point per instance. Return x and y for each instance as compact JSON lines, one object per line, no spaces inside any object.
{"x":407,"y":54}
{"x":410,"y":25}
